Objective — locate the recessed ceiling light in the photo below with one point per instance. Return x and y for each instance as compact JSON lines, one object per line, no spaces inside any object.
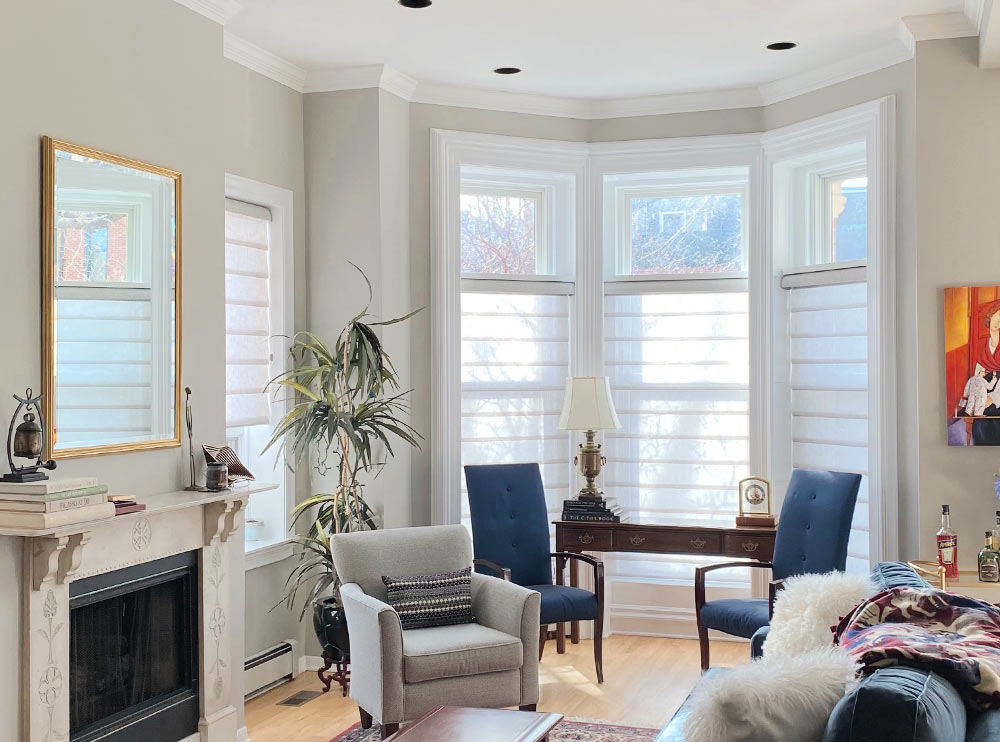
{"x":780,"y":46}
{"x":414,"y":3}
{"x":507,"y":70}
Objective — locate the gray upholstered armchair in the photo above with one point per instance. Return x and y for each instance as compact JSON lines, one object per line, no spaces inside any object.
{"x":398,"y":675}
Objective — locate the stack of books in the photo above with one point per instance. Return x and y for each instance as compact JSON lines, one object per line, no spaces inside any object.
{"x":126,"y":504}
{"x":605,"y":510}
{"x":53,"y":502}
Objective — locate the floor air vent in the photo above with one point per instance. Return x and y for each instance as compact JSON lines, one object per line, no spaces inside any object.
{"x":301,"y":698}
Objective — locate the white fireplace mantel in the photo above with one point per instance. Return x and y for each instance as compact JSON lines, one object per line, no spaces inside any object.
{"x":172,"y":523}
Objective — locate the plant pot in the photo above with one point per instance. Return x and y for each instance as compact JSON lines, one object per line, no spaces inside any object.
{"x":330,"y":625}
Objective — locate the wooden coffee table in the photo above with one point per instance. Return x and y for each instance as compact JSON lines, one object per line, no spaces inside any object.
{"x":478,"y":725}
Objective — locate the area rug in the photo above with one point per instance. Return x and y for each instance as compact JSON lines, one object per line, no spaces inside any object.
{"x":567,"y":731}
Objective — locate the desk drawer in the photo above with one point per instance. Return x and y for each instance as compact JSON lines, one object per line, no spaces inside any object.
{"x":750,"y":545}
{"x":581,"y":538}
{"x":666,"y":542}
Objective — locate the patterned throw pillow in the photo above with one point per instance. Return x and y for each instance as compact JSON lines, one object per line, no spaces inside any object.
{"x":431,"y":600}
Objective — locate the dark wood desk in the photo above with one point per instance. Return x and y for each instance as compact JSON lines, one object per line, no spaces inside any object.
{"x":739,"y":542}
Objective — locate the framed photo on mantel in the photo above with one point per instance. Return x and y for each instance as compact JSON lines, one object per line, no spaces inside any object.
{"x":972,"y":365}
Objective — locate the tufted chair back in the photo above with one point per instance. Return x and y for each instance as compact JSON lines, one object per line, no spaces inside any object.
{"x":815,"y":523}
{"x":510,"y":523}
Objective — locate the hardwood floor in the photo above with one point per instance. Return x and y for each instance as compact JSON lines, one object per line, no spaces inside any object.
{"x":645,"y":681}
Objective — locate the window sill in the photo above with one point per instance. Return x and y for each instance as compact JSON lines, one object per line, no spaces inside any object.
{"x":263,"y":553}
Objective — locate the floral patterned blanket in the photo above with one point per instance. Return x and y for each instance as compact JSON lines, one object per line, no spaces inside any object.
{"x":955,"y":636}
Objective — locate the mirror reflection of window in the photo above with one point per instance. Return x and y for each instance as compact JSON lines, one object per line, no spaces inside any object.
{"x":113,"y":263}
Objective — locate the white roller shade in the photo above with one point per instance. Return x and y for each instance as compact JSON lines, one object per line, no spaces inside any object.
{"x":828,"y":332}
{"x":248,"y":329}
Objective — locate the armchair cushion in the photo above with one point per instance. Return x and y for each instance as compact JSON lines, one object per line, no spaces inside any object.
{"x":561,"y":603}
{"x":458,"y":651}
{"x":735,"y":616}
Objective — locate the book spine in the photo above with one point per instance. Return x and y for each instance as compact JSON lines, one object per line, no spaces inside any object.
{"x":586,"y":518}
{"x":51,"y":506}
{"x":54,"y":520}
{"x":99,"y":489}
{"x":48,"y":488}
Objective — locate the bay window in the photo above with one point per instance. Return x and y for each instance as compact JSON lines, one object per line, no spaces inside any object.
{"x":738,"y":340}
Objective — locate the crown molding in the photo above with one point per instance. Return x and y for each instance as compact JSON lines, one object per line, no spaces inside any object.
{"x":263,"y":62}
{"x":220,"y":11}
{"x":846,"y":69}
{"x":391,"y":80}
{"x":954,"y":25}
{"x":975,"y":11}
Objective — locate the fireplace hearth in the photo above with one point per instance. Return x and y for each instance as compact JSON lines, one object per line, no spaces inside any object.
{"x":134,"y":653}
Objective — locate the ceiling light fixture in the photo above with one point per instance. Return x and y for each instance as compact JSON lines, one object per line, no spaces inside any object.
{"x":414,"y":3}
{"x":780,"y":46}
{"x":507,"y":70}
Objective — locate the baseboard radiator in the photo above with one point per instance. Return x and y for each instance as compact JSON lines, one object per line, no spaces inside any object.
{"x":271,"y":667}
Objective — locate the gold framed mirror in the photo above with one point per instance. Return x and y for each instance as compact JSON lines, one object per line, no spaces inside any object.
{"x":111,"y":302}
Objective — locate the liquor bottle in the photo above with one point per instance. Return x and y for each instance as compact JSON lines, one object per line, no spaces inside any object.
{"x":989,"y":561}
{"x":947,"y":545}
{"x":996,"y":534}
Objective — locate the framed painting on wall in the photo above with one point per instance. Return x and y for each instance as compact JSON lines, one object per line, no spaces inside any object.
{"x":972,"y":365}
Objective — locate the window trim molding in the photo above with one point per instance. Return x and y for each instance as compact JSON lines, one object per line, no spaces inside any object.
{"x":450,"y":150}
{"x":875,"y":124}
{"x":281,"y":204}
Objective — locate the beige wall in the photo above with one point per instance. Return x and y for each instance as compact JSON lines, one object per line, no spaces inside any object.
{"x":264,"y":142}
{"x":958,"y":234}
{"x":96,"y":78}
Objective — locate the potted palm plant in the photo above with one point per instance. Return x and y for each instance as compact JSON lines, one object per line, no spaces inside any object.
{"x":348,"y":411}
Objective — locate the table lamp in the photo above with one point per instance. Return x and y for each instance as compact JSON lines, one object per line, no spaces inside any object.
{"x":588,"y":406}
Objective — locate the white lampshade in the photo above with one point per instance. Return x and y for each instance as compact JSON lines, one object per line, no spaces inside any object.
{"x":588,"y":405}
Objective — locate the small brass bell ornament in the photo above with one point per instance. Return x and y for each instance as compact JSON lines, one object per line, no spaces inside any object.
{"x":27,"y":441}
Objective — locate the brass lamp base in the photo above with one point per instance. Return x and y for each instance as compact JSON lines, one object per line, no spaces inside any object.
{"x":590,"y":460}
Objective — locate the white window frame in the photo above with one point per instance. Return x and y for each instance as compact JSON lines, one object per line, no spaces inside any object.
{"x":824,"y":224}
{"x":874,"y":124}
{"x":279,"y":202}
{"x":452,"y":151}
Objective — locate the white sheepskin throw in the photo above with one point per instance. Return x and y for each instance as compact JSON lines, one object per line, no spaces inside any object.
{"x":808,"y":606}
{"x":775,"y":699}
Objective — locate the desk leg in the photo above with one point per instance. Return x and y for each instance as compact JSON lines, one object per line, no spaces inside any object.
{"x":561,"y":627}
{"x":574,"y":581}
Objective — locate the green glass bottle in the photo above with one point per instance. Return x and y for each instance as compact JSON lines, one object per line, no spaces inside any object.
{"x":989,"y":561}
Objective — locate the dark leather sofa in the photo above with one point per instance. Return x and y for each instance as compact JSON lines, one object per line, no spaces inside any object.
{"x":894,"y":704}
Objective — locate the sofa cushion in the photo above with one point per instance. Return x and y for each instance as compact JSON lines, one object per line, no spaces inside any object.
{"x":562,"y":603}
{"x":458,"y":651}
{"x":899,"y":703}
{"x":984,"y":727}
{"x":735,"y":616}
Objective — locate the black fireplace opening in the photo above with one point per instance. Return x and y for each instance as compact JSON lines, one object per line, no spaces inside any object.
{"x":134,"y":653}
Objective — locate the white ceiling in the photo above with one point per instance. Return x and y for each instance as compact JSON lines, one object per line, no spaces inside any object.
{"x":582,"y":48}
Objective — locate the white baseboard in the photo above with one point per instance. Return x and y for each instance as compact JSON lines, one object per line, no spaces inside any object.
{"x":310,"y":662}
{"x":241,"y":735}
{"x":659,"y":621}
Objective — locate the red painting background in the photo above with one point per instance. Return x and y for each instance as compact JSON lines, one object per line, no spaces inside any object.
{"x":964,"y":329}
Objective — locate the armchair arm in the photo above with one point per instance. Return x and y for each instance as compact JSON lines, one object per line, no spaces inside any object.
{"x":502,"y":572}
{"x":376,"y":635}
{"x":513,"y":610}
{"x":595,"y":563}
{"x":699,"y":580}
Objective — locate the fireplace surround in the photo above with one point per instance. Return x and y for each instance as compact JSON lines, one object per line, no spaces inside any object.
{"x":58,"y":564}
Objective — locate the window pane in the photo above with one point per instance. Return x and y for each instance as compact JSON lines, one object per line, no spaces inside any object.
{"x":91,"y":247}
{"x":680,"y":374}
{"x":686,"y":234}
{"x":515,"y":360}
{"x":499,"y":233}
{"x":849,"y":210}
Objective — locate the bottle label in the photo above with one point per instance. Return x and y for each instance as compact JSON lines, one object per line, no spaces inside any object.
{"x":989,"y":571}
{"x":946,"y":549}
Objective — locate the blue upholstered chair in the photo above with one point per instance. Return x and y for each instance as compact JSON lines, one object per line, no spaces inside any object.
{"x":510,"y":533}
{"x":813,"y":531}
